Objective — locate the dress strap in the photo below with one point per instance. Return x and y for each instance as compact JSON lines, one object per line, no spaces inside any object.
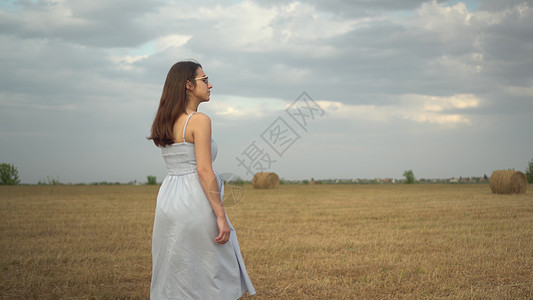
{"x":185,"y":126}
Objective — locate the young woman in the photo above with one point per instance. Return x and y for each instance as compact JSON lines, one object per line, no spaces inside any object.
{"x":195,"y":251}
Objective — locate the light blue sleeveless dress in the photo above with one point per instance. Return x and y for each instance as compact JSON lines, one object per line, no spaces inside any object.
{"x":186,"y":261}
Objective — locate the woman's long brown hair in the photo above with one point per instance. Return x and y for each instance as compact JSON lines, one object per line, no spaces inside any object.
{"x":173,"y":101}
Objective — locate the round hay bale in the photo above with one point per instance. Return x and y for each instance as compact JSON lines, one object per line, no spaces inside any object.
{"x":265,"y":180}
{"x":508,"y":182}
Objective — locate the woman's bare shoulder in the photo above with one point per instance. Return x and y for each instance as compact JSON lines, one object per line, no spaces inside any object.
{"x":200,"y":121}
{"x":201,"y":117}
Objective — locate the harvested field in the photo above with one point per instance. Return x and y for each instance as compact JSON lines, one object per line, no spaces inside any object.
{"x":299,"y":242}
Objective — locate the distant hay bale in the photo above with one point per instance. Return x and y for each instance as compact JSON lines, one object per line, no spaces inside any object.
{"x":508,"y":182}
{"x":265,"y":180}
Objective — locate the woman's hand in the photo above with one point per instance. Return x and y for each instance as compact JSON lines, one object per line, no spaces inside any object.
{"x":223,"y":229}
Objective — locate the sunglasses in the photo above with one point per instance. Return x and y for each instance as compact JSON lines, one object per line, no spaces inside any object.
{"x":203,"y":78}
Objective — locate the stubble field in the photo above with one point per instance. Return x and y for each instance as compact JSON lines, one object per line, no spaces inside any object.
{"x":298,"y":242}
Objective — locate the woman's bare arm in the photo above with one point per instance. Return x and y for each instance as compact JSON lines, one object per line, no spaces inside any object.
{"x":201,"y":130}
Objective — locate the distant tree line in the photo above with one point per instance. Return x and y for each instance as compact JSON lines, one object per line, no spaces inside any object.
{"x":409,"y":176}
{"x":529,"y":171}
{"x":9,"y":175}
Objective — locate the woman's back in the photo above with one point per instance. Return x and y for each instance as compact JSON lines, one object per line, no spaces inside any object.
{"x":180,"y":157}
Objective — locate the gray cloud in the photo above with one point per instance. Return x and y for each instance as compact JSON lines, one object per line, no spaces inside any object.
{"x":95,"y":23}
{"x":80,"y":83}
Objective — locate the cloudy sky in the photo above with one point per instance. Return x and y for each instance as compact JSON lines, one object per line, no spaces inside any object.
{"x":444,"y":88}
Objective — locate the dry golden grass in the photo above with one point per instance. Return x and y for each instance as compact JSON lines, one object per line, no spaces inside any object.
{"x":299,"y":242}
